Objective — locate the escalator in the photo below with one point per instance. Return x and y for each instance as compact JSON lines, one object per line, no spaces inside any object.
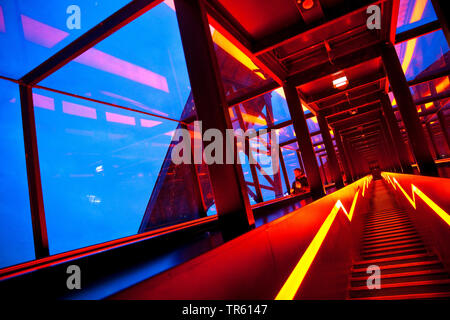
{"x":408,"y":268}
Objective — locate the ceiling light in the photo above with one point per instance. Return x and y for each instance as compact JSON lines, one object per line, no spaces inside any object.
{"x":340,"y":82}
{"x":307,"y":4}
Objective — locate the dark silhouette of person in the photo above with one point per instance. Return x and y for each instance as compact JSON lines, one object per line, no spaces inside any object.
{"x":300,"y":184}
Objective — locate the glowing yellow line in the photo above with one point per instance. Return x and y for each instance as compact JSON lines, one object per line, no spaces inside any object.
{"x":419,"y":7}
{"x":406,"y":194}
{"x":442,"y":85}
{"x":295,"y":279}
{"x":410,"y":47}
{"x":438,"y":210}
{"x":352,"y":208}
{"x":231,"y":49}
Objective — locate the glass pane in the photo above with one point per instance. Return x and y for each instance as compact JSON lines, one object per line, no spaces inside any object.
{"x":31,"y":31}
{"x":430,"y":88}
{"x":268,"y":169}
{"x":319,"y":148}
{"x":439,"y":138}
{"x":146,"y":73}
{"x":291,"y":162}
{"x":16,"y":234}
{"x":248,"y":177}
{"x":317,"y":138}
{"x":414,"y":13}
{"x":239,"y":73}
{"x":313,"y":126}
{"x":424,"y":55}
{"x":286,"y":133}
{"x":263,"y":111}
{"x":103,"y":168}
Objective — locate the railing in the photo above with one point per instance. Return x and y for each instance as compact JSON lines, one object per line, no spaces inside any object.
{"x":427,"y":199}
{"x":305,"y":254}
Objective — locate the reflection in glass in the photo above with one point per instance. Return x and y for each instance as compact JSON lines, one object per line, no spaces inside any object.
{"x":414,"y":13}
{"x":16,"y":234}
{"x":31,"y":31}
{"x":424,"y":55}
{"x":146,"y":73}
{"x":100,"y":168}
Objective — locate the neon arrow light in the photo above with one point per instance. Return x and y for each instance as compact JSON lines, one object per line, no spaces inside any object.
{"x":416,"y":191}
{"x":297,"y":275}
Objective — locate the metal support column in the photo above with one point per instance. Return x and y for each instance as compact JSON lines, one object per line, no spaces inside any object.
{"x":408,"y":111}
{"x":331,"y":153}
{"x":344,"y":160}
{"x":33,"y":173}
{"x":304,"y":141}
{"x":227,"y":180}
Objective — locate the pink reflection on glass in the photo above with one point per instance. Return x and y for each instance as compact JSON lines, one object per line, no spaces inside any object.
{"x":114,"y":117}
{"x":106,"y":62}
{"x":2,"y":21}
{"x":134,"y":102}
{"x":44,"y":102}
{"x":149,"y":123}
{"x":79,"y":110}
{"x":41,"y":33}
{"x":170,"y":4}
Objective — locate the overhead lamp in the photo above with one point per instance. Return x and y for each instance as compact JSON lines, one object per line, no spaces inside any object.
{"x":340,"y":83}
{"x":306,"y":4}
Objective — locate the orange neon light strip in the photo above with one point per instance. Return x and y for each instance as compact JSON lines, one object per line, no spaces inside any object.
{"x":442,"y":85}
{"x":295,"y":279}
{"x":253,"y":119}
{"x":419,"y":7}
{"x":232,"y":50}
{"x":416,"y":191}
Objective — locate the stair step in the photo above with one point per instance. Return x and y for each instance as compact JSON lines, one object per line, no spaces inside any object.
{"x":402,"y":265}
{"x":388,"y":248}
{"x":418,"y":287}
{"x":401,"y":268}
{"x":391,"y":243}
{"x":395,"y":253}
{"x":396,"y":259}
{"x":391,"y":239}
{"x":389,"y":210}
{"x":389,"y":231}
{"x":389,"y":227}
{"x":386,"y":212}
{"x":386,"y":222}
{"x":414,"y":276}
{"x":397,"y":234}
{"x":421,"y":296}
{"x":387,"y":218}
{"x":388,"y":235}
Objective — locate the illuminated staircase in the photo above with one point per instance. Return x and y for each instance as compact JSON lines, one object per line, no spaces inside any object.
{"x":408,"y":269}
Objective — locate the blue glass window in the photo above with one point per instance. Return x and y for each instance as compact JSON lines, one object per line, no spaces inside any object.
{"x":424,"y":55}
{"x":31,"y":31}
{"x":140,"y":66}
{"x":414,"y":13}
{"x":16,"y":234}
